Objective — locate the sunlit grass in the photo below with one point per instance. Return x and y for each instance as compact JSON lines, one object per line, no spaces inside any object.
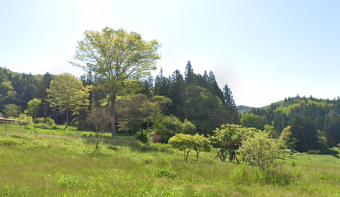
{"x":54,"y":163}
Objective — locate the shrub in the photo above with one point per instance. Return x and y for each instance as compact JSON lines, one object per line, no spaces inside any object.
{"x":23,"y":119}
{"x":40,"y":120}
{"x":147,"y":160}
{"x":155,"y":138}
{"x":143,"y":136}
{"x":260,"y":150}
{"x":168,"y":126}
{"x":50,"y":121}
{"x":166,"y":173}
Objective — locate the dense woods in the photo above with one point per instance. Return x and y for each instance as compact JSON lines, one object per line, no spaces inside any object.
{"x":192,"y":98}
{"x":189,"y":99}
{"x":117,"y":67}
{"x":314,"y":123}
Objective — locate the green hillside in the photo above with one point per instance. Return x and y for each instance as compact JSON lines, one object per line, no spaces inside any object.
{"x":243,"y":109}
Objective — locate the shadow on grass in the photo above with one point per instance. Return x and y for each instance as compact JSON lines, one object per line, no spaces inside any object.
{"x":333,"y":152}
{"x":133,"y":144}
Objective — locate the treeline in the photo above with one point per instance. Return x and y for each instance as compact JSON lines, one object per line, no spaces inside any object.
{"x":313,"y":123}
{"x":194,"y":98}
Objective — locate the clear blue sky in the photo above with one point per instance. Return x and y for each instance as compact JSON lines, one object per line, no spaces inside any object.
{"x":264,"y":50}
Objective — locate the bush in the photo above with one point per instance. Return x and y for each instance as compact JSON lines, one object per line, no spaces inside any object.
{"x":155,"y":138}
{"x":166,"y":173}
{"x":168,"y":126}
{"x":143,"y":136}
{"x":50,"y":121}
{"x":260,"y":150}
{"x":40,"y":120}
{"x":81,"y":125}
{"x":23,"y":119}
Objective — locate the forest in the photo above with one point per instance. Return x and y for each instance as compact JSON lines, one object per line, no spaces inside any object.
{"x":191,"y":98}
{"x":165,"y":105}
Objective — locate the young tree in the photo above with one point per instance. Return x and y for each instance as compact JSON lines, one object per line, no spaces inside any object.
{"x":12,"y":110}
{"x":229,"y":138}
{"x":183,"y":142}
{"x":101,"y":119}
{"x":115,"y":57}
{"x":23,"y":119}
{"x":32,"y":109}
{"x":68,"y":94}
{"x":260,"y":150}
{"x":201,"y":144}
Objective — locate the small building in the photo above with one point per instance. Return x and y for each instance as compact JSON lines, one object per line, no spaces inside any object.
{"x":5,"y":121}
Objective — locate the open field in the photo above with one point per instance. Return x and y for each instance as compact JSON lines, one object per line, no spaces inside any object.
{"x":52,"y":162}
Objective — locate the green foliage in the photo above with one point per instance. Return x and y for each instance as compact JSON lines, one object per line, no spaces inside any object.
{"x":166,"y":126}
{"x":44,"y":126}
{"x":166,"y":173}
{"x":188,"y":127}
{"x":143,"y":136}
{"x":285,"y":137}
{"x":68,"y":94}
{"x":23,"y":119}
{"x":230,"y":137}
{"x":252,"y":120}
{"x":68,"y":165}
{"x":12,"y":110}
{"x":116,"y":58}
{"x":33,"y":107}
{"x":183,"y":142}
{"x":260,"y":150}
{"x":200,"y":144}
{"x":132,"y":110}
{"x":40,"y":120}
{"x":50,"y":121}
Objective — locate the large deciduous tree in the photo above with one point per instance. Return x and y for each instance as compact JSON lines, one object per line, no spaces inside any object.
{"x":68,"y":94}
{"x":115,"y":57}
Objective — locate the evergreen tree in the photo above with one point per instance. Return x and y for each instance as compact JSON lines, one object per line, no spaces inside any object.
{"x":230,"y":105}
{"x":189,"y":74}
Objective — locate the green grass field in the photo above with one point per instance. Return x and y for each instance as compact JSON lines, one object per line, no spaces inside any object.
{"x":54,"y":162}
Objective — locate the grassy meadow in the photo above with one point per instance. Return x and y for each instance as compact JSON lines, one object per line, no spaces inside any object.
{"x":54,"y":162}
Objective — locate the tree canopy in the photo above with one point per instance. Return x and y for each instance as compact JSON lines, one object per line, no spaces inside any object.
{"x":116,"y":57}
{"x":68,"y":94}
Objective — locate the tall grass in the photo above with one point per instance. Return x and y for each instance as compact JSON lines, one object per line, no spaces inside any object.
{"x":57,"y":164}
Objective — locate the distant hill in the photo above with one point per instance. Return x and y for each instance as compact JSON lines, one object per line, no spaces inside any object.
{"x":245,"y":109}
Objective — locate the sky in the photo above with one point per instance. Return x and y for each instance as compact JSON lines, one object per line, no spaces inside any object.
{"x":263,"y":50}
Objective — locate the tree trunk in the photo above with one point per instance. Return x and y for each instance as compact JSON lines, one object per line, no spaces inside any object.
{"x":35,"y":121}
{"x":66,"y":119}
{"x":113,"y":114}
{"x":231,"y":155}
